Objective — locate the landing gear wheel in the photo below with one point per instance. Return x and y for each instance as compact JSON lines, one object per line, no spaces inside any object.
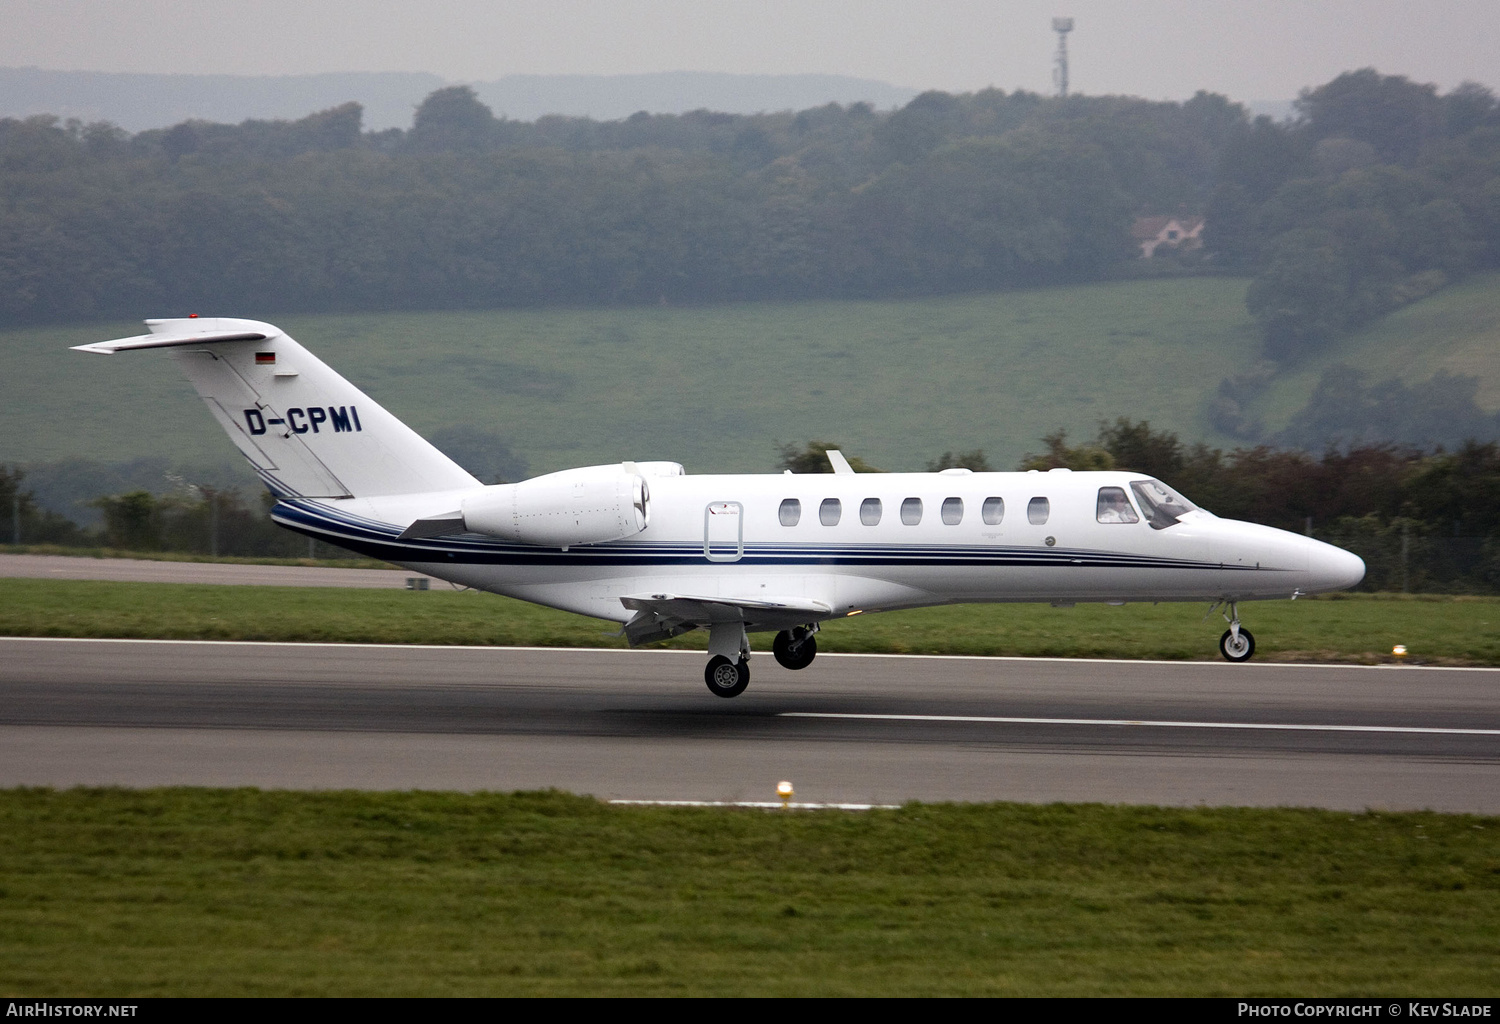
{"x":726,"y":678}
{"x":1237,"y":651}
{"x":794,"y":648}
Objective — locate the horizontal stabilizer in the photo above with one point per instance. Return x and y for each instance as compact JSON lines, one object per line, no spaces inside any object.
{"x":662,"y":616}
{"x":109,"y":348}
{"x":445,"y":525}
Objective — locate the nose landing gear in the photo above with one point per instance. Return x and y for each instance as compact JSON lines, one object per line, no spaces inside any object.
{"x":1237,"y":647}
{"x":1236,"y":644}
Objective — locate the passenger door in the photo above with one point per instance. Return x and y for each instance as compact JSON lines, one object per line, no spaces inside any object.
{"x":724,"y":531}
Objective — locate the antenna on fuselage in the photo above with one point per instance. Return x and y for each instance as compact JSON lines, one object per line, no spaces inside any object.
{"x":838,"y":462}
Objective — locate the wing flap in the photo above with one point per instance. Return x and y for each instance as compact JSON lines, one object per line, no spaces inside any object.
{"x":685,"y":603}
{"x":662,"y":616}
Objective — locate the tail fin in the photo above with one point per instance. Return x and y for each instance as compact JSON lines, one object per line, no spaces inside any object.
{"x":306,"y":430}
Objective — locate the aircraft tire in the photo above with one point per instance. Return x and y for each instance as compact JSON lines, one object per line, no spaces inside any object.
{"x":794,"y":654}
{"x":726,"y":678}
{"x":1240,"y":653}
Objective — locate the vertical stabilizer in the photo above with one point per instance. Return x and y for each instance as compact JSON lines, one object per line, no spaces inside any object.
{"x":305,"y":429}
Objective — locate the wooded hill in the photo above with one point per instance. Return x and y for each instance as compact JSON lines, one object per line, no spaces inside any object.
{"x":1381,"y":191}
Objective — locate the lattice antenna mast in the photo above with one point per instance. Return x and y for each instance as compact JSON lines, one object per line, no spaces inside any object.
{"x":1062,"y":26}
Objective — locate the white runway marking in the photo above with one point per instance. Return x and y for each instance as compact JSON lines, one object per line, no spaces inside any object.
{"x":1142,"y":722}
{"x":762,"y":804}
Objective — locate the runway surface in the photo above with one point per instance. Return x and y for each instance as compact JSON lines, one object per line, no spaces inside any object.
{"x":641,"y":725}
{"x":137,"y":570}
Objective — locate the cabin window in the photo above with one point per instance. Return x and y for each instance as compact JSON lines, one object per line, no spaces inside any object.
{"x":1114,"y":507}
{"x":992,"y":511}
{"x":911,"y":511}
{"x":869,"y":511}
{"x":953,"y":511}
{"x":1162,"y":505}
{"x":790,"y":512}
{"x":830,"y":511}
{"x":1037,"y":511}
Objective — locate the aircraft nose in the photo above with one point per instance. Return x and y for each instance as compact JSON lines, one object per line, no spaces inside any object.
{"x":1334,"y":568}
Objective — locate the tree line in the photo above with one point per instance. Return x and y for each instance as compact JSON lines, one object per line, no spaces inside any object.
{"x":467,"y":210}
{"x":1380,"y":191}
{"x":183,"y":518}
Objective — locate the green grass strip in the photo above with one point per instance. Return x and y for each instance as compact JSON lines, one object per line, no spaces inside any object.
{"x":241,"y":892}
{"x":1354,"y":628}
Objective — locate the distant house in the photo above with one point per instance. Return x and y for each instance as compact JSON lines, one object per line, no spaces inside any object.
{"x":1150,"y":233}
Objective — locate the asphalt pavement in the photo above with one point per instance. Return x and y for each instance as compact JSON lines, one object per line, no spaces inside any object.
{"x":137,"y":570}
{"x":641,"y":725}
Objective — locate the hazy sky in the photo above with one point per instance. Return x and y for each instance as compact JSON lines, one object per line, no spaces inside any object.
{"x":1247,"y":49}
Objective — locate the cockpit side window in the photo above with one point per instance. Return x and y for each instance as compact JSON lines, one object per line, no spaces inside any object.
{"x":1161,"y":505}
{"x":1114,"y":507}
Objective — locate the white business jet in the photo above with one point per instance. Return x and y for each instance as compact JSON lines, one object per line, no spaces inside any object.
{"x":644,"y":544}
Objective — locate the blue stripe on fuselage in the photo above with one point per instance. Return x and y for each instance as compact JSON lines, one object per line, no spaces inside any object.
{"x":379,"y":540}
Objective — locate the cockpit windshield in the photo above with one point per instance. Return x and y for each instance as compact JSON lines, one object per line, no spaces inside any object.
{"x":1161,"y":505}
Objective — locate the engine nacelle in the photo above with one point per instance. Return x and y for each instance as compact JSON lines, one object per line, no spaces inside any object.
{"x":576,"y":506}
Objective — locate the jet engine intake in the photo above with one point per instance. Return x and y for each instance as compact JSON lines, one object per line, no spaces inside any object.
{"x":576,"y":506}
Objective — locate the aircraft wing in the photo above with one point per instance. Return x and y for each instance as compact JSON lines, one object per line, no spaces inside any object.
{"x":662,"y":616}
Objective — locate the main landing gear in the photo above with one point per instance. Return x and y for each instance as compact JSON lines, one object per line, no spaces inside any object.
{"x":795,"y":648}
{"x":728,"y":670}
{"x":1236,"y":644}
{"x":727,"y":678}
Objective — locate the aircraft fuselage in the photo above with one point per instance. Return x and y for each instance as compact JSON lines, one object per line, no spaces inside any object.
{"x":725,"y":537}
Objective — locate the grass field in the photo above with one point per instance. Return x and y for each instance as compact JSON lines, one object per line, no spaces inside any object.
{"x":240,"y":892}
{"x":898,"y":382}
{"x":1354,"y":628}
{"x":1457,"y":330}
